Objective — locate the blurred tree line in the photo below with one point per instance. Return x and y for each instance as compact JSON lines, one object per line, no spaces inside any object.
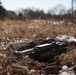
{"x":59,"y":12}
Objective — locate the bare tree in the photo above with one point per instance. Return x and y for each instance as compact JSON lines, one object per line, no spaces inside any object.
{"x":59,"y":9}
{"x":72,"y":4}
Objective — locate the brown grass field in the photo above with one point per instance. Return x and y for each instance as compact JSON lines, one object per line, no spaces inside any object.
{"x":12,"y":30}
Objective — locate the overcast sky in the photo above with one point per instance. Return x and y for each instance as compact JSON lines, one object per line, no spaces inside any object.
{"x":41,"y":4}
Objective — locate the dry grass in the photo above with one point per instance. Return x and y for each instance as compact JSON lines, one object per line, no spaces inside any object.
{"x":34,"y":29}
{"x":31,"y":30}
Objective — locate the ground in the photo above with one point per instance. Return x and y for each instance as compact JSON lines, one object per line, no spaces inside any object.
{"x":29,"y":30}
